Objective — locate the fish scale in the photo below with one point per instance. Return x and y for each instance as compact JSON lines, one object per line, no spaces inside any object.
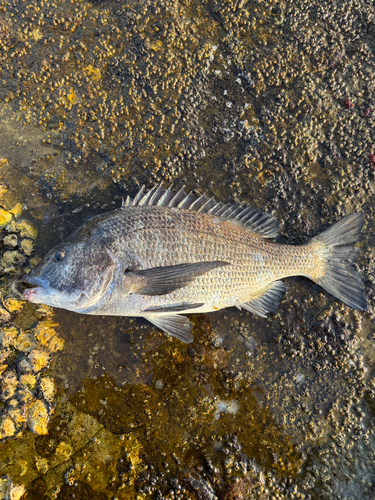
{"x":199,"y":237}
{"x":164,"y":254}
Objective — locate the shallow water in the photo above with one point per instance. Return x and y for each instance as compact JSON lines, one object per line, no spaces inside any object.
{"x":243,"y":101}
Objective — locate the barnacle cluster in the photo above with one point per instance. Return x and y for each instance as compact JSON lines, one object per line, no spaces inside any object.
{"x":28,"y":338}
{"x":111,"y":82}
{"x":173,"y":90}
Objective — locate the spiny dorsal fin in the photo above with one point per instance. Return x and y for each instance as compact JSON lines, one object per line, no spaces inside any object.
{"x":251,"y":218}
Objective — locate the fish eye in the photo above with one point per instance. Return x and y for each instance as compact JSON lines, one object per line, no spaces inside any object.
{"x":58,"y":255}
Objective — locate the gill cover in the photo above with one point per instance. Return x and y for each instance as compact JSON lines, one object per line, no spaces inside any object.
{"x":96,"y":275}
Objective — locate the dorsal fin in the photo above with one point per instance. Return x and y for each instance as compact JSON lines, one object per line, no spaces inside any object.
{"x":251,"y":218}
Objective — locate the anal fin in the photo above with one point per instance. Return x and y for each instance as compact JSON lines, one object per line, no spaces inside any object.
{"x":174,"y":325}
{"x":268,"y":301}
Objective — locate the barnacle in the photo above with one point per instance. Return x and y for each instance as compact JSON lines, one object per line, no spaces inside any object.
{"x":25,"y":351}
{"x":37,"y":417}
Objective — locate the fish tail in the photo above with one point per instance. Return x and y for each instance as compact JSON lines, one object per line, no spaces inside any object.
{"x":335,"y":271}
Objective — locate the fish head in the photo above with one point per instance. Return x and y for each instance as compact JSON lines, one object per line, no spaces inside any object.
{"x":73,"y":276}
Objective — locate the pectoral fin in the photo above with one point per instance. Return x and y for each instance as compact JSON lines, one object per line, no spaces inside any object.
{"x":174,"y":325}
{"x":174,"y":307}
{"x":166,"y":279}
{"x":268,"y":301}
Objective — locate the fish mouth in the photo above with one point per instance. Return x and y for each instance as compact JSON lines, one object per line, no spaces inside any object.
{"x":31,"y":294}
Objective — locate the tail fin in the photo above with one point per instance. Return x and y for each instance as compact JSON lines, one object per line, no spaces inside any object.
{"x":341,"y":278}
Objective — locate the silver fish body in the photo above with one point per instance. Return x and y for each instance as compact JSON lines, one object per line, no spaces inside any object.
{"x":164,"y":254}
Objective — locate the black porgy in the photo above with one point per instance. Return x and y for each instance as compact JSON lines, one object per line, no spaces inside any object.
{"x":165,"y":254}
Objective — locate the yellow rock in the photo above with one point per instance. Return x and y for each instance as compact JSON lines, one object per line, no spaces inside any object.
{"x":37,"y":418}
{"x":7,"y":428}
{"x":17,"y":416}
{"x":26,"y":229}
{"x":14,"y":305}
{"x":24,"y":395}
{"x":11,"y":227}
{"x":44,"y":331}
{"x":46,"y":336}
{"x":47,"y":386}
{"x":55,"y":344}
{"x":25,"y":342}
{"x":4,"y":355}
{"x":44,"y":310}
{"x":17,"y":491}
{"x":39,"y":359}
{"x":27,"y":246}
{"x":16,"y":210}
{"x":5,"y":217}
{"x":9,"y":336}
{"x":4,"y":315}
{"x":9,"y":385}
{"x":29,"y":380}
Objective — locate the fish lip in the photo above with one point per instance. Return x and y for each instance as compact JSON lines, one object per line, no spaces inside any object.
{"x":36,"y":293}
{"x":39,"y":282}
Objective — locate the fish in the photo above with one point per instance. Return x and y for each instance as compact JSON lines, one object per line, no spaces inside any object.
{"x":165,"y":254}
